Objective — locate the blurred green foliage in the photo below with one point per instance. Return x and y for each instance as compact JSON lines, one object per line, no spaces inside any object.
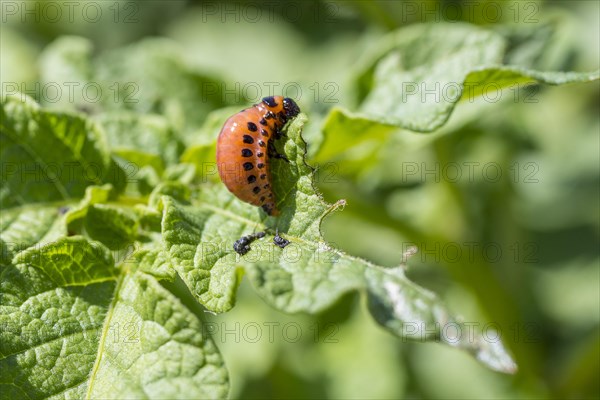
{"x":526,"y":228}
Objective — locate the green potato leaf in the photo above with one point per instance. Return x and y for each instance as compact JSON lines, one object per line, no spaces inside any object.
{"x":77,"y":319}
{"x":50,"y":156}
{"x":308,"y":275}
{"x":416,"y":77}
{"x":76,"y":326}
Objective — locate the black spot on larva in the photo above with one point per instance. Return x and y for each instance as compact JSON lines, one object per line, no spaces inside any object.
{"x":261,"y":143}
{"x":248,"y":139}
{"x":270,"y":101}
{"x":262,"y":198}
{"x":252,"y":127}
{"x":260,"y":154}
{"x":262,"y":121}
{"x":266,"y":186}
{"x":256,"y":189}
{"x":269,"y":115}
{"x":248,"y":166}
{"x":270,"y":195}
{"x":267,"y":208}
{"x":246,"y":153}
{"x":251,"y":179}
{"x":263,"y":176}
{"x":260,"y":165}
{"x":264,"y":132}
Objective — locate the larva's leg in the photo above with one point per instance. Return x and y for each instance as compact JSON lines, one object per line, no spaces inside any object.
{"x":278,"y":134}
{"x":272,"y":152}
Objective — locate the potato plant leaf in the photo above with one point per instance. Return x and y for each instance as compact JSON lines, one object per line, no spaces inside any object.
{"x":76,"y":326}
{"x":156,"y":79}
{"x":308,"y":275}
{"x":78,"y":320}
{"x":417,"y":75}
{"x":50,"y":156}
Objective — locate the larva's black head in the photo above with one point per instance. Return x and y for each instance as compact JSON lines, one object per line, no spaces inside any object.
{"x":290,"y":107}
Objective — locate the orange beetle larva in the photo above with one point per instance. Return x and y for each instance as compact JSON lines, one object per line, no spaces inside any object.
{"x":245,"y":146}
